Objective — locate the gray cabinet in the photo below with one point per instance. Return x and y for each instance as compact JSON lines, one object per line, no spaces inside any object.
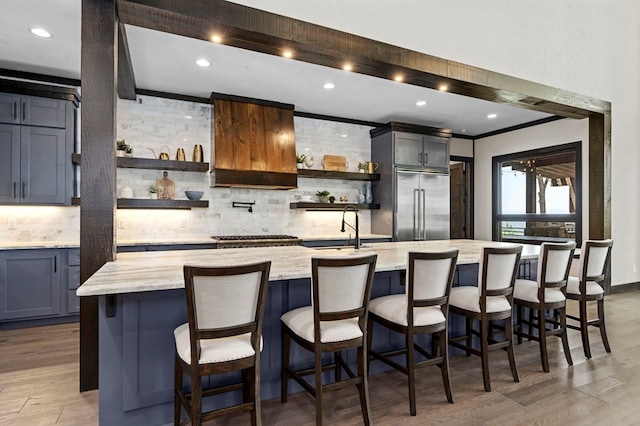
{"x":417,"y":150}
{"x":29,"y":283}
{"x":33,"y":167}
{"x":32,"y":111}
{"x":72,"y":278}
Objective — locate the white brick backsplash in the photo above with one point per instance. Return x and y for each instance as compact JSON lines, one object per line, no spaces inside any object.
{"x":153,"y":122}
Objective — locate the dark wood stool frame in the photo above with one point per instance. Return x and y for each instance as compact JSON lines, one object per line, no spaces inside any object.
{"x":487,"y":343}
{"x":540,"y":321}
{"x":439,"y":344}
{"x":583,"y":298}
{"x":250,"y":366}
{"x":360,"y":380}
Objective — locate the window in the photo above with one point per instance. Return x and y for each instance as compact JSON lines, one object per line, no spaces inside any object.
{"x":537,"y":195}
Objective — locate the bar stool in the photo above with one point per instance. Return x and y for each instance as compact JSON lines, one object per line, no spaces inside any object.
{"x":491,"y":300}
{"x":336,"y":321}
{"x":546,"y":293}
{"x":594,"y":259}
{"x":422,"y":309}
{"x":225,"y":308}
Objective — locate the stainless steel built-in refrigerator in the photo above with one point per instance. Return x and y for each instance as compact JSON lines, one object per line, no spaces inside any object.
{"x":422,"y":206}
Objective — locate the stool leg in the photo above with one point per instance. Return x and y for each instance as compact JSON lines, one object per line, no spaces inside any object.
{"x":369,"y":343}
{"x":177,"y":402}
{"x":318,"y":386}
{"x":256,"y":420}
{"x":363,"y":386}
{"x":337,"y":356}
{"x":469,"y":325}
{"x":196,"y":400}
{"x":601,"y":326}
{"x":411,"y":371}
{"x":562,"y":316}
{"x":519,"y":312}
{"x":284,"y":380}
{"x":444,"y":366}
{"x":542,"y":336}
{"x":484,"y":354}
{"x":584,"y":328}
{"x":508,"y":328}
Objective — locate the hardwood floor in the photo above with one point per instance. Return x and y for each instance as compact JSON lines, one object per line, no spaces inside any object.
{"x":39,"y":384}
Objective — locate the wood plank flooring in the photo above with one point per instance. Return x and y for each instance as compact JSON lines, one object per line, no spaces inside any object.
{"x":39,"y":384}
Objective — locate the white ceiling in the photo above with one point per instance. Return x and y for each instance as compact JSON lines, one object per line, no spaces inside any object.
{"x":166,"y":63}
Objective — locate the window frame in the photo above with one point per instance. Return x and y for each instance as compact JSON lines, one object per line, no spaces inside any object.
{"x":498,"y":217}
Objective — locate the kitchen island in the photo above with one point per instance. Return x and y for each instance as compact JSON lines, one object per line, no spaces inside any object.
{"x":142,"y":300}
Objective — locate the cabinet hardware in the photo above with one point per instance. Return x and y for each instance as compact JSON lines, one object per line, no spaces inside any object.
{"x":420,"y":158}
{"x":15,"y":194}
{"x":55,"y":264}
{"x":110,"y":305}
{"x":15,"y":110}
{"x":24,"y":111}
{"x":426,"y":157}
{"x":24,"y":184}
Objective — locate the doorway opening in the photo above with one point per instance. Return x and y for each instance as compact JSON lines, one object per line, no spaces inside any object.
{"x":461,"y":198}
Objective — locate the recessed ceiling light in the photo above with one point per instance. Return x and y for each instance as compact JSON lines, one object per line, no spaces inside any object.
{"x":398,"y":78}
{"x":344,"y":136}
{"x":463,"y":130}
{"x":40,"y":32}
{"x":188,"y":117}
{"x":287,"y":54}
{"x":216,"y":39}
{"x":421,"y":103}
{"x":492,"y":115}
{"x":203,"y":62}
{"x":347,"y":67}
{"x":329,"y":85}
{"x":443,"y":87}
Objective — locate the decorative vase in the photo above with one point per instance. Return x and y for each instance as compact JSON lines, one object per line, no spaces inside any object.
{"x":120,"y":153}
{"x":300,"y":165}
{"x":368,"y":196}
{"x":361,"y":197}
{"x":324,"y":199}
{"x":153,"y":195}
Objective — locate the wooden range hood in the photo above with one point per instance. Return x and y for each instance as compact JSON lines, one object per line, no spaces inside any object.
{"x":254,"y":143}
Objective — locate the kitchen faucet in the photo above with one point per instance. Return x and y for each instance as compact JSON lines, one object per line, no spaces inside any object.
{"x":356,"y":242}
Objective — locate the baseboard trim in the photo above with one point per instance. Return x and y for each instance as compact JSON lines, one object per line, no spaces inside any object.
{"x":624,"y":288}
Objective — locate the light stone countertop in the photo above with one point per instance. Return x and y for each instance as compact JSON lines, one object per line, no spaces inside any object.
{"x":152,"y":271}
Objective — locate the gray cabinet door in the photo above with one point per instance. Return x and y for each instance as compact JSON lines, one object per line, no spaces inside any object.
{"x":9,"y":109}
{"x":407,"y":149}
{"x":43,"y":112}
{"x":29,"y":284}
{"x":42,"y":161}
{"x":9,"y":163}
{"x":436,"y":152}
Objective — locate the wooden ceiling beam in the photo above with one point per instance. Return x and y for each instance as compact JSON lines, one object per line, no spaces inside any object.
{"x":126,"y":78}
{"x":265,"y":32}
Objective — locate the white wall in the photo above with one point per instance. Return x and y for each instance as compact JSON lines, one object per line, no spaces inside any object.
{"x":461,"y":147}
{"x":591,"y":47}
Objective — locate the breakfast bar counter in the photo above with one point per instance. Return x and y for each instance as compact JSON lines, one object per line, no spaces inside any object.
{"x":142,"y":300}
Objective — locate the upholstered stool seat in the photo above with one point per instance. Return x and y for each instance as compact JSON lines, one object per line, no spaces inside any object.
{"x":593,"y":288}
{"x":545,"y":294}
{"x":421,"y":310}
{"x":394,"y":308}
{"x":528,"y":291}
{"x":300,"y":321}
{"x":214,"y":350}
{"x":490,"y":301}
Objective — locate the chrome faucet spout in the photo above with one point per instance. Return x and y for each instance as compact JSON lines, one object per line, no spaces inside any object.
{"x":356,"y":228}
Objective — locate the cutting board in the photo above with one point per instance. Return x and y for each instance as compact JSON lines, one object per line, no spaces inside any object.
{"x":335,"y":163}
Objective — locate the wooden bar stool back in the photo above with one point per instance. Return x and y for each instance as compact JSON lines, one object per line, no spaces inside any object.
{"x":336,"y":321}
{"x":587,"y":286}
{"x":225,"y":307}
{"x":546,"y":293}
{"x":490,"y":301}
{"x":422,"y":309}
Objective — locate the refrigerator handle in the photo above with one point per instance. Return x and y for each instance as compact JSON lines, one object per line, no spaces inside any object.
{"x":416,"y":214}
{"x":423,"y":232}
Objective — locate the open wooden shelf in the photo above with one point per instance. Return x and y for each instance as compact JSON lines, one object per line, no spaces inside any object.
{"x":153,"y":164}
{"x":313,"y":173}
{"x":144,"y":203}
{"x":331,"y":206}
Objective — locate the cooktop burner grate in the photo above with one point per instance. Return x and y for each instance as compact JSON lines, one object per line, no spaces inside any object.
{"x":242,"y":241}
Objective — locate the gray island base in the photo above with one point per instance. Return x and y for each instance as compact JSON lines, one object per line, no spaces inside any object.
{"x":141,"y":302}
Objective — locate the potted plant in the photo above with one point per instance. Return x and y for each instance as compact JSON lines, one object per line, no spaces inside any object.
{"x":323,"y":196}
{"x":362,"y":167}
{"x":332,"y":199}
{"x":300,"y":160}
{"x":153,"y":192}
{"x":122,"y":148}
